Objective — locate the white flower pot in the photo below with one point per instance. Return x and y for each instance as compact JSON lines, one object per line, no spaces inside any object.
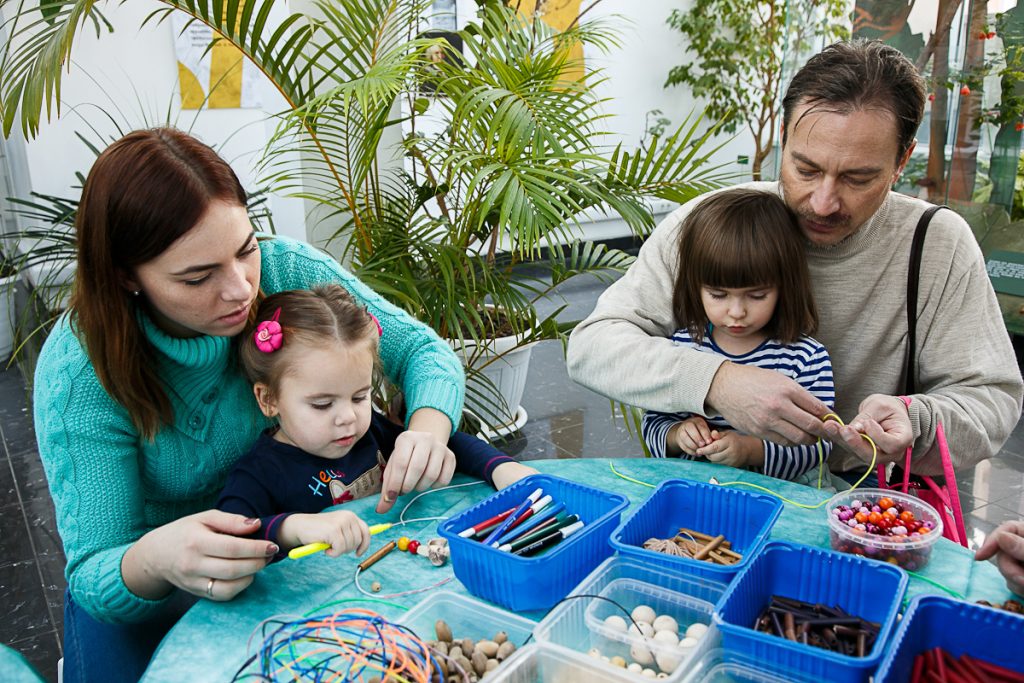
{"x":506,"y":367}
{"x":7,"y":316}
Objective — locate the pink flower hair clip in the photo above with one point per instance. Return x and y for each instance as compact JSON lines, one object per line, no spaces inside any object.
{"x":268,"y":335}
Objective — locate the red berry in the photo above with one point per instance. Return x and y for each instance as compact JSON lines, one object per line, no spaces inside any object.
{"x":931,"y":97}
{"x":990,"y":35}
{"x":1019,"y":126}
{"x":982,"y":36}
{"x":965,"y":91}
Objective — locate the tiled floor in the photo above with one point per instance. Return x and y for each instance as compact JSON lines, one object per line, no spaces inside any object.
{"x":566,"y":421}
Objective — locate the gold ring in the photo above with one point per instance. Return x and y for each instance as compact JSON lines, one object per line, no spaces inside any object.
{"x":209,"y":588}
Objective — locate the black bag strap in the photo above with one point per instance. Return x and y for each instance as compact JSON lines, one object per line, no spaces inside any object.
{"x":913,"y":280}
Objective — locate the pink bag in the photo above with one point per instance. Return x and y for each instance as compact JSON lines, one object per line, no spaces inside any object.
{"x":944,"y":498}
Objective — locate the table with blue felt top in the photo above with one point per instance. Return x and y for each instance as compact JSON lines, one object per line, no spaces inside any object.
{"x":212,"y":640}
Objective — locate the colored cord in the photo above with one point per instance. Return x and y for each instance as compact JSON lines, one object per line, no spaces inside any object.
{"x":821,"y":466}
{"x":595,"y":597}
{"x":388,"y":596}
{"x":350,"y":645}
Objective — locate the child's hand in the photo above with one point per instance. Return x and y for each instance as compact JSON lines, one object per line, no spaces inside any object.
{"x":691,"y":434}
{"x":341,"y":528}
{"x":508,"y":473}
{"x":733,"y":449}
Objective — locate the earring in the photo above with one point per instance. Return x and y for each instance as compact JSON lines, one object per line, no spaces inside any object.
{"x":135,"y":292}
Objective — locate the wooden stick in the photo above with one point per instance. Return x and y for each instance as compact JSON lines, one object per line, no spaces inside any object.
{"x":377,"y":556}
{"x":715,"y":542}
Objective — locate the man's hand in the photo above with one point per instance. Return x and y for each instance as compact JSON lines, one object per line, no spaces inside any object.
{"x":766,"y":404}
{"x":882,"y":418}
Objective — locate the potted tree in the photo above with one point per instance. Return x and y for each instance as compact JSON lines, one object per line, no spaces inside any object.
{"x":436,"y":219}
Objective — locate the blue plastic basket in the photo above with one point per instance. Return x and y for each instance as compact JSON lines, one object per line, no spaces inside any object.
{"x":958,"y":628}
{"x":532,"y":583}
{"x":863,"y":588}
{"x":745,"y":519}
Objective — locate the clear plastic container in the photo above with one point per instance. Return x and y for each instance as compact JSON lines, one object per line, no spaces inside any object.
{"x":713,"y":667}
{"x":467,"y":617}
{"x":546,"y":663}
{"x":578,"y":624}
{"x":911,"y":552}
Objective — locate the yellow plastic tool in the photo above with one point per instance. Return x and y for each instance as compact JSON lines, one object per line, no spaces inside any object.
{"x":312,"y":548}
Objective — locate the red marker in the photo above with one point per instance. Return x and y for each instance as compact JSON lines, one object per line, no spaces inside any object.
{"x":487,"y":524}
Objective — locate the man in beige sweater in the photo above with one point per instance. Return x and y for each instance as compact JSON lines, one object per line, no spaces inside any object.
{"x":849,"y":120}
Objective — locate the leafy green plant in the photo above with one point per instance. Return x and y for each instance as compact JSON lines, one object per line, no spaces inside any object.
{"x":437,"y":221}
{"x":740,"y":49}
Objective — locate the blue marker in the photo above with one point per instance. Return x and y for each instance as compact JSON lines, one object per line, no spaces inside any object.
{"x":530,"y":524}
{"x":504,"y":526}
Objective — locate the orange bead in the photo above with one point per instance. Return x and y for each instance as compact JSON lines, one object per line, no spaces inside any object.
{"x":907,"y":516}
{"x":875,"y":517}
{"x":885,"y":503}
{"x":861,"y":517}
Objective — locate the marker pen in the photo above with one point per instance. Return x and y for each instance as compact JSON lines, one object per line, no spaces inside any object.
{"x":486,"y":524}
{"x":523,"y":507}
{"x":560,"y":522}
{"x":534,"y":509}
{"x":550,"y":540}
{"x":532,"y":524}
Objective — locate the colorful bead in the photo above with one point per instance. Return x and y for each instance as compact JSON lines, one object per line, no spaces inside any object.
{"x":403,"y":543}
{"x":413,"y":546}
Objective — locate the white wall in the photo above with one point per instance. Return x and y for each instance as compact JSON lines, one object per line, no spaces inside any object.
{"x":134,"y":72}
{"x":133,"y":75}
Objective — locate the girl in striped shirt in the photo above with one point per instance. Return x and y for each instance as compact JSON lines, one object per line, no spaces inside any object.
{"x":742,"y":291}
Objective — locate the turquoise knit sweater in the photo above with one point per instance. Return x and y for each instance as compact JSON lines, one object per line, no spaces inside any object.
{"x":110,"y":486}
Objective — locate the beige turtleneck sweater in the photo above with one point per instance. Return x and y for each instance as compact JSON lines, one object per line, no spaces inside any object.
{"x":967,"y":371}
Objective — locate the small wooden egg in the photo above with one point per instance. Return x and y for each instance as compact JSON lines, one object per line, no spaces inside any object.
{"x":649,"y":673}
{"x":615,"y":622}
{"x":618,"y":661}
{"x":646,"y":629}
{"x":687,"y":643}
{"x":667,"y":637}
{"x":634,"y":667}
{"x":644,"y":613}
{"x":696,"y":631}
{"x":641,"y":654}
{"x":667,"y":661}
{"x":666,"y":623}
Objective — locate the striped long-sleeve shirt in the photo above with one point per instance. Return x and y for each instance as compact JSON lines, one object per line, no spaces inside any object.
{"x":806,"y":361}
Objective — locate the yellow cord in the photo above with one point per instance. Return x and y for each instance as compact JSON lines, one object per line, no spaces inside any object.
{"x":821,"y":466}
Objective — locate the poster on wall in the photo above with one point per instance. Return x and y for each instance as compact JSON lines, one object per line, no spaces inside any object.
{"x":217,"y":77}
{"x":559,"y":15}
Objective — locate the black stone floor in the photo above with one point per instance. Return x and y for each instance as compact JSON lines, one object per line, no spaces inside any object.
{"x":565,"y":421}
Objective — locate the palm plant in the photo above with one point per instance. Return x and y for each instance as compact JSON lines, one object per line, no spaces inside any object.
{"x":438,"y":220}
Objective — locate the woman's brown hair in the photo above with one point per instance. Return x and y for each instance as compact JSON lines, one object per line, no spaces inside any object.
{"x":144,"y":192}
{"x":744,"y":238}
{"x":310,"y":317}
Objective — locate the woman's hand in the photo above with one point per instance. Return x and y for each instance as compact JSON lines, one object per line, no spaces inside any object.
{"x":421,"y":459}
{"x":1006,"y":544}
{"x":342,"y":529}
{"x":203,"y":554}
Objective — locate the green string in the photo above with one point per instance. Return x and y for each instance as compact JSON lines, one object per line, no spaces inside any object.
{"x":344,"y":600}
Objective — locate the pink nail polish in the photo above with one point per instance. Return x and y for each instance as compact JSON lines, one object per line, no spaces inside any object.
{"x":272,"y":549}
